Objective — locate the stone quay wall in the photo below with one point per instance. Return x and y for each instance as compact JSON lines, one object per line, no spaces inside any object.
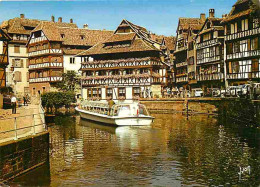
{"x":22,"y":155}
{"x":236,"y":110}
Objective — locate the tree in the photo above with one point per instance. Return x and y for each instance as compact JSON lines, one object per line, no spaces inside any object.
{"x":70,"y":82}
{"x":57,"y":100}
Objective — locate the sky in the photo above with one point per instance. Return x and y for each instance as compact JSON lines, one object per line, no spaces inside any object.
{"x":158,"y":16}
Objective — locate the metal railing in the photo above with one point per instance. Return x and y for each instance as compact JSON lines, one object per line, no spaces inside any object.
{"x":35,"y":128}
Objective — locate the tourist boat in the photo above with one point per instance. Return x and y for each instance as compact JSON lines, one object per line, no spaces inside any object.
{"x":122,"y":114}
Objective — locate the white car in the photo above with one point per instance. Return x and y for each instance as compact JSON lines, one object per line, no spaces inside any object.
{"x":198,"y":92}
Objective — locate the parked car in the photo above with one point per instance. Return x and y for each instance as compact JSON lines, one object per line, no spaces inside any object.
{"x":232,"y":91}
{"x":256,"y":90}
{"x":197,"y":92}
{"x":243,"y":90}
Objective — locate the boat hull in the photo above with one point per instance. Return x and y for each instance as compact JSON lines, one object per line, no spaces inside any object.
{"x":114,"y":120}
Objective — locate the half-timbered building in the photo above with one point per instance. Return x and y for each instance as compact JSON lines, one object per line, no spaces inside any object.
{"x":52,"y":48}
{"x":18,"y":29}
{"x":242,"y":42}
{"x":4,"y":39}
{"x":125,"y":66}
{"x":185,"y":26}
{"x":210,"y":53}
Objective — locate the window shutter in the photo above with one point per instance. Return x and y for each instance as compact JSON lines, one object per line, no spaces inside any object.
{"x":27,"y":63}
{"x":13,"y":62}
{"x":28,"y":76}
{"x":21,"y":63}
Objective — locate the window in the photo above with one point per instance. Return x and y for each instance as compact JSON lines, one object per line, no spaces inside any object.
{"x":72,"y":60}
{"x":16,"y":49}
{"x":43,"y":89}
{"x":96,"y":92}
{"x":109,"y":92}
{"x":190,"y":46}
{"x":236,"y":47}
{"x":256,"y":23}
{"x":62,"y":35}
{"x":89,"y":93}
{"x":18,"y":76}
{"x":136,"y":91}
{"x":191,"y":61}
{"x":239,"y":26}
{"x":254,"y":43}
{"x":255,"y":65}
{"x":121,"y":92}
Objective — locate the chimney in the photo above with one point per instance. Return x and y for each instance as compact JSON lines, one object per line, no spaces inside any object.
{"x":211,"y":13}
{"x":203,"y":17}
{"x":21,"y":15}
{"x":60,"y":19}
{"x":52,"y":18}
{"x":85,"y":26}
{"x":71,"y":20}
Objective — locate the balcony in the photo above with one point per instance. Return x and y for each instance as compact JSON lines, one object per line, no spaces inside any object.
{"x":208,"y":60}
{"x":181,"y":79}
{"x":115,"y":64}
{"x":45,"y":79}
{"x":244,"y":75}
{"x":45,"y":52}
{"x":242,"y":34}
{"x":39,"y":39}
{"x":210,"y":77}
{"x":46,"y":65}
{"x":244,"y":54}
{"x":208,"y":43}
{"x":178,"y":65}
{"x":117,"y":80}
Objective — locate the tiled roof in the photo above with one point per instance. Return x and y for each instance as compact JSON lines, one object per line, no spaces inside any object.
{"x":170,"y":42}
{"x":237,"y":11}
{"x":121,"y":37}
{"x":240,"y":14}
{"x":72,"y":51}
{"x":85,"y":37}
{"x":72,"y":35}
{"x":17,"y":25}
{"x":137,"y":45}
{"x":187,"y":23}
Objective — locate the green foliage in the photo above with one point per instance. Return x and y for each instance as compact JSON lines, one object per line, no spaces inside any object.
{"x":70,"y":81}
{"x":6,"y":90}
{"x":57,"y":99}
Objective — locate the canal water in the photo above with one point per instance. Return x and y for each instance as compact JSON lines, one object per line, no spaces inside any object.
{"x":174,"y":151}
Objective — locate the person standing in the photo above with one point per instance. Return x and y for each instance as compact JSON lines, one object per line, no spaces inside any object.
{"x":25,"y":101}
{"x":13,"y":102}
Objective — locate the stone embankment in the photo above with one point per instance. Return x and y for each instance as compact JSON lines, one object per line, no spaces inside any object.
{"x":24,"y":141}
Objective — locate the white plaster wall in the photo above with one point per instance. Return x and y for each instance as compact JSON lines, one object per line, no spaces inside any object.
{"x":103,"y":93}
{"x":23,"y":51}
{"x":19,"y":86}
{"x":84,"y":93}
{"x":129,"y":92}
{"x":71,"y":67}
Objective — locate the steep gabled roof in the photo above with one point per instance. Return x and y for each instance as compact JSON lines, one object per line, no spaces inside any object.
{"x":138,"y":45}
{"x":170,"y":42}
{"x":135,"y":39}
{"x":215,"y":24}
{"x":242,"y":8}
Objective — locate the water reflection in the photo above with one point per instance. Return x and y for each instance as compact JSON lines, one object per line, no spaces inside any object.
{"x":173,"y":151}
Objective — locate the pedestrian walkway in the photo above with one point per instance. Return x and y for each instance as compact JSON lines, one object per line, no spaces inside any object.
{"x":28,"y":120}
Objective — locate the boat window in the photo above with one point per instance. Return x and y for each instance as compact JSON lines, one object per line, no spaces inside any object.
{"x":124,"y":110}
{"x":143,"y":110}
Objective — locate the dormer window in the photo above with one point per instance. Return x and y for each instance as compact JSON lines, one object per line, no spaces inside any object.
{"x":62,"y":35}
{"x":82,"y":37}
